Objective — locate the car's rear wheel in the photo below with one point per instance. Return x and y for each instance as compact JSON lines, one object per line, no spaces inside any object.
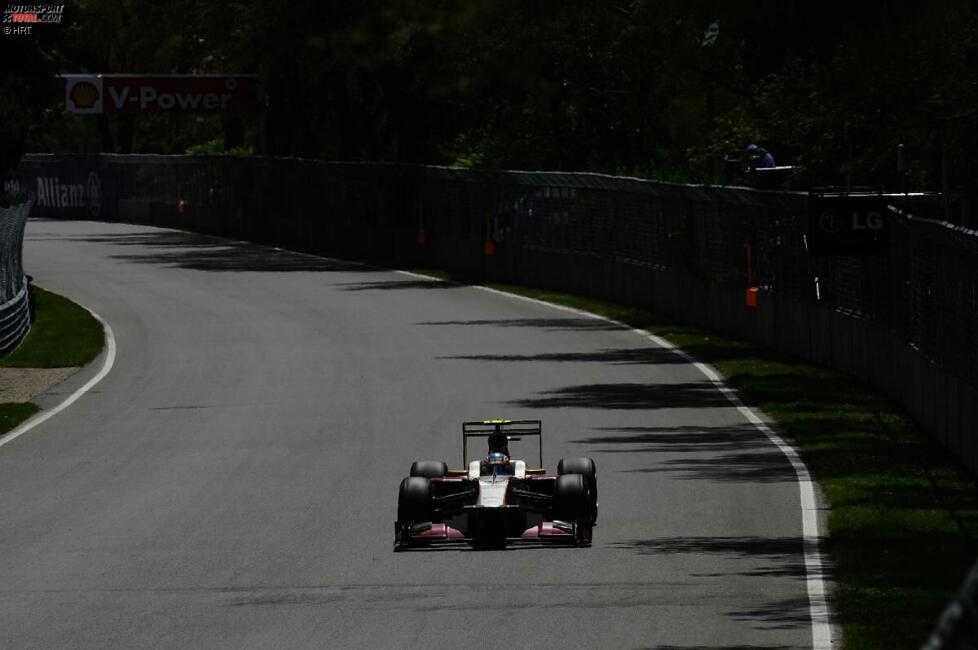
{"x":586,"y":468}
{"x":577,"y":466}
{"x":429,"y":469}
{"x":414,"y":501}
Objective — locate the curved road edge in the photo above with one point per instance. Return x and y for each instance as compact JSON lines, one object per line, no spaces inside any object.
{"x":822,"y":634}
{"x":108,"y":360}
{"x":818,"y":603}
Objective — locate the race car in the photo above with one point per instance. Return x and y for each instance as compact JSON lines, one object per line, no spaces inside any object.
{"x":497,"y":500}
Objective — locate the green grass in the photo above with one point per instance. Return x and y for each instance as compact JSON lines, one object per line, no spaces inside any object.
{"x":63,"y":335}
{"x":12,"y":414}
{"x":904,"y":512}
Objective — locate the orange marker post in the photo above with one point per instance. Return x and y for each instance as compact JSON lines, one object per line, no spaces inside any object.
{"x":181,"y":204}
{"x":420,"y":237}
{"x":750,"y":297}
{"x":490,"y":246}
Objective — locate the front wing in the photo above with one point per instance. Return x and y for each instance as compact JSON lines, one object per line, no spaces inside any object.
{"x":492,"y":526}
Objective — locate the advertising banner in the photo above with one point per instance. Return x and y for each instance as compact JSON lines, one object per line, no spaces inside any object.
{"x":109,"y":93}
{"x":70,"y":191}
{"x":847,"y":224}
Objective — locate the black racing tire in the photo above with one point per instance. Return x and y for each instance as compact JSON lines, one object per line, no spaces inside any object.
{"x":587,"y":468}
{"x":414,"y":500}
{"x":429,"y":469}
{"x":577,"y":466}
{"x":572,"y":499}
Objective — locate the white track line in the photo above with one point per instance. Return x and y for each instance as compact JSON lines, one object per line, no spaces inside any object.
{"x":817,"y":603}
{"x":44,"y":416}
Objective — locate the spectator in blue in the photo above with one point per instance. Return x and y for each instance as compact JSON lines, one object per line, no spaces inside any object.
{"x":759,"y":158}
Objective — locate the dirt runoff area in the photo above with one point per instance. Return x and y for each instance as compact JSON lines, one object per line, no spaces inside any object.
{"x":23,"y":384}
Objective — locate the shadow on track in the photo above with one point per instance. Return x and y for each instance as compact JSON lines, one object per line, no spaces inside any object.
{"x":388,"y":285}
{"x":717,"y":647}
{"x":726,"y":453}
{"x":760,"y":467}
{"x":205,"y":253}
{"x":624,"y":356}
{"x":678,"y":439}
{"x":556,"y":324}
{"x":788,"y":614}
{"x":772,"y":556}
{"x":629,"y":396}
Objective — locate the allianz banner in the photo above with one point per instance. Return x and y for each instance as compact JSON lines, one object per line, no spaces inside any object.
{"x":76,"y":187}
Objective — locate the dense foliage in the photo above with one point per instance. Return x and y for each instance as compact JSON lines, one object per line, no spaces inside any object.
{"x":26,"y":66}
{"x":663,"y":88}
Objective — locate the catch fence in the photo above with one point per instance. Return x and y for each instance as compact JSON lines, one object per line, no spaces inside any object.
{"x":905,"y":320}
{"x":14,"y":290}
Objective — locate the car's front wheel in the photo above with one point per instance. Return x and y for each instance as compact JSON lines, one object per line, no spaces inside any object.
{"x":414,"y":501}
{"x":586,"y":468}
{"x":571,"y":501}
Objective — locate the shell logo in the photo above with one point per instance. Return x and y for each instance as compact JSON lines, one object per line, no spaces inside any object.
{"x":84,"y":95}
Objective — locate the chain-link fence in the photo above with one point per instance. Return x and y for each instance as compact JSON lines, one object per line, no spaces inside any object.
{"x":906,"y":320}
{"x":14,"y":298}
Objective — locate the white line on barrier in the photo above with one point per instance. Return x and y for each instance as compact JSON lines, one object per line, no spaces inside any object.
{"x":814,"y":567}
{"x":44,"y":416}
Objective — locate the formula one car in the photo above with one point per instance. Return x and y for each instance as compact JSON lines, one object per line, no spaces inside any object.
{"x":497,"y":500}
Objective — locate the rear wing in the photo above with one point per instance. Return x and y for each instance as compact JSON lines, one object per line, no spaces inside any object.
{"x":512,"y":429}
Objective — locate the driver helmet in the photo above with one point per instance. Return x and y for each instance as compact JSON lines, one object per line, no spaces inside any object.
{"x":497,"y":462}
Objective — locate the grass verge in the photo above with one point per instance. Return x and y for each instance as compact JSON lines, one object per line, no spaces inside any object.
{"x":904,"y":512}
{"x":13,"y":413}
{"x":63,"y":335}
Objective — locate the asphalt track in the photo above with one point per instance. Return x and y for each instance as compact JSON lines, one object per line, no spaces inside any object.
{"x":231,"y":483}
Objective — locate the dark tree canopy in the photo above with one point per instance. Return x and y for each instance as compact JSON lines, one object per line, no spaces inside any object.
{"x":660,"y":88}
